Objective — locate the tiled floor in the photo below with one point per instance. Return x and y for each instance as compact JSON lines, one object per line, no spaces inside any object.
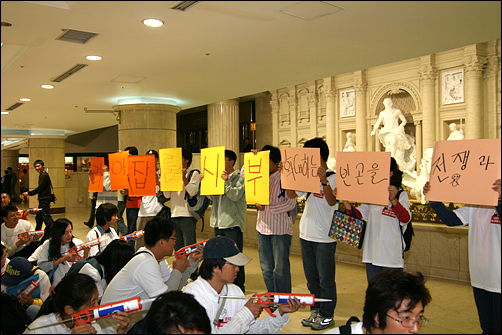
{"x":452,"y":310}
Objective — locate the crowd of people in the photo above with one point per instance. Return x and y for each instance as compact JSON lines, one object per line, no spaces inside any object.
{"x":189,"y":296}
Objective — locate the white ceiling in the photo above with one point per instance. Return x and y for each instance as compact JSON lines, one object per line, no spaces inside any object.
{"x":214,"y":51}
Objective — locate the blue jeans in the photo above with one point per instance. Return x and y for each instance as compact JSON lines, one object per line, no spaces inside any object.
{"x":372,"y":270}
{"x":45,"y":214}
{"x":235,"y":234}
{"x":319,"y":267}
{"x":274,"y":261}
{"x":132,"y":217}
{"x":121,"y":227}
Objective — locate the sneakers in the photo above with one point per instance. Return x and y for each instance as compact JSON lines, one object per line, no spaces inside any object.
{"x":321,"y":323}
{"x":308,"y":321}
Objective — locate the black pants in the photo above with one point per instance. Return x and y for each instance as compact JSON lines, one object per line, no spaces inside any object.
{"x":45,"y":214}
{"x":235,"y":234}
{"x":488,"y":305}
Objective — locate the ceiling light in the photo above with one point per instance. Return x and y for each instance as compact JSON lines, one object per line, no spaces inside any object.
{"x":93,"y":57}
{"x":47,"y":86}
{"x":25,"y":99}
{"x":153,"y":22}
{"x":5,"y":112}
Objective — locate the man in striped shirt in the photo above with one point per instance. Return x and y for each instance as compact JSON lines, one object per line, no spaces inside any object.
{"x":275,"y":230}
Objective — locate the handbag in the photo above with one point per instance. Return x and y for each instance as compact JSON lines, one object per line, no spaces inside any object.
{"x":347,"y":229}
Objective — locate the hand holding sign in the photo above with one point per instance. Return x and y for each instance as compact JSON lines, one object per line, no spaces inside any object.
{"x":300,"y":169}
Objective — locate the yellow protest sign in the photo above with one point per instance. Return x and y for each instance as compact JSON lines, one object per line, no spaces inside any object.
{"x":256,"y":172}
{"x":212,"y":163}
{"x":171,"y":178}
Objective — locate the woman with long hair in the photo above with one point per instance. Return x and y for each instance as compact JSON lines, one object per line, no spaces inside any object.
{"x":73,"y":294}
{"x":53,"y":256}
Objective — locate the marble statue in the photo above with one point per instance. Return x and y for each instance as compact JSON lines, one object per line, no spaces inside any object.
{"x":455,"y":133}
{"x":416,"y":183}
{"x":349,"y":145}
{"x":400,"y":145}
{"x":331,"y":163}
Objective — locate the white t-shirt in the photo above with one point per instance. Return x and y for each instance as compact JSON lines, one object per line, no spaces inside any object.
{"x":179,"y":207}
{"x":234,"y":318}
{"x":92,"y":272}
{"x":56,"y":329}
{"x":105,"y":239}
{"x":41,"y":255}
{"x":484,"y":245}
{"x":9,"y":235}
{"x":318,"y":215}
{"x":382,"y":239}
{"x":150,"y":205}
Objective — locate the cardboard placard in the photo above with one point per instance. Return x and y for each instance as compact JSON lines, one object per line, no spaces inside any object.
{"x":464,"y":171}
{"x":142,"y":175}
{"x":96,"y":180}
{"x":299,"y":169}
{"x":118,"y":170}
{"x":212,"y":162}
{"x":363,"y":176}
{"x":171,"y":178}
{"x":256,"y":173}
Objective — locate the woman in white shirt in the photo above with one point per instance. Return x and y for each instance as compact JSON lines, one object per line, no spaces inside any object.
{"x":53,"y":254}
{"x":73,"y":294}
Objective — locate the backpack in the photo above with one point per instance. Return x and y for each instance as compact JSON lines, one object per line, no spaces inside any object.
{"x":408,"y":233}
{"x":294,"y":212}
{"x":197,"y":204}
{"x":75,"y":268}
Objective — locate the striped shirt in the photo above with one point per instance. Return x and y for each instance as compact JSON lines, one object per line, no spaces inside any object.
{"x":274,"y":220}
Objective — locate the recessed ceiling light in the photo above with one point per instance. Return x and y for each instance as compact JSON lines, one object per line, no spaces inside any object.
{"x":24,"y":99}
{"x":93,"y":57}
{"x":47,"y":86}
{"x":153,"y":22}
{"x":5,"y":112}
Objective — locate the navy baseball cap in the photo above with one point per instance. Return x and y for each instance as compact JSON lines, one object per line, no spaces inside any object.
{"x":18,"y":269}
{"x":223,"y":247}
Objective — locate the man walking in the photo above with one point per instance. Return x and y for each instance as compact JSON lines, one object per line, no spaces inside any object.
{"x":44,"y":195}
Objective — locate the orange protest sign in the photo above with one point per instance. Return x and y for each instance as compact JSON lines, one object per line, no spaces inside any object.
{"x":96,"y":181}
{"x":463,"y":171}
{"x":142,"y":175}
{"x":212,"y":162}
{"x":118,"y":170}
{"x":363,"y":177}
{"x":171,"y":178}
{"x":256,"y":172}
{"x":299,"y":169}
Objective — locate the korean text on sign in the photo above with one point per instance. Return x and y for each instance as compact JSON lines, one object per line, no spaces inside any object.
{"x":171,"y":167}
{"x":299,"y":169}
{"x":256,"y":172}
{"x":363,"y":176}
{"x":212,"y":163}
{"x":464,"y":171}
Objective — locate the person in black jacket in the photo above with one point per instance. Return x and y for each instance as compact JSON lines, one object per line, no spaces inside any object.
{"x":44,"y":195}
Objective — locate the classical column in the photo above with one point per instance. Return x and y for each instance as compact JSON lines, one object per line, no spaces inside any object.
{"x":428,"y":78}
{"x":223,"y":126}
{"x":474,"y":96}
{"x":292,"y":101}
{"x":360,"y":87}
{"x":312,"y":98}
{"x":147,"y":126}
{"x":275,"y":122}
{"x":491,"y":71}
{"x":52,"y":152}
{"x":418,"y":129}
{"x":330,"y":122}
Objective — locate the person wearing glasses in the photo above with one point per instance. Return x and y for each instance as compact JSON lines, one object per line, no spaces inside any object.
{"x":394,"y":304}
{"x":147,"y":274}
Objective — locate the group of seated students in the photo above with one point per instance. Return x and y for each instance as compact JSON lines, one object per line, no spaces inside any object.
{"x":70,"y":279}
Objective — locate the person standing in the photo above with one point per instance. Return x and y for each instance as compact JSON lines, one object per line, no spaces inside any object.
{"x":318,"y":249}
{"x":44,"y":191}
{"x":275,"y":230}
{"x":228,"y":213}
{"x":14,"y":185}
{"x":484,"y":254}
